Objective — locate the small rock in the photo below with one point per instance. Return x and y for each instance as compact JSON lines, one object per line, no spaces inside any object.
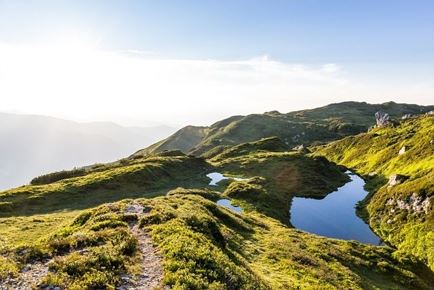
{"x":396,"y":179}
{"x":402,"y":150}
{"x":301,"y":148}
{"x":134,"y":208}
{"x":406,"y":116}
{"x":390,"y":201}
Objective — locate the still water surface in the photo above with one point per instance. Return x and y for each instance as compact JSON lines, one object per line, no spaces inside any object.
{"x":335,"y":215}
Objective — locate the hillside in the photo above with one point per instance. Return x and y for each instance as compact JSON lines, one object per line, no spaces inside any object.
{"x":398,"y":163}
{"x":154,"y":221}
{"x":305,"y":127}
{"x":31,"y":145}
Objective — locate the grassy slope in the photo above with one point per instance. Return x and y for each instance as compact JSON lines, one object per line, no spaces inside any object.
{"x":377,"y":152}
{"x":28,"y":213}
{"x":106,"y":183}
{"x":208,"y":247}
{"x":301,"y":127}
{"x":203,"y":245}
{"x":184,"y":139}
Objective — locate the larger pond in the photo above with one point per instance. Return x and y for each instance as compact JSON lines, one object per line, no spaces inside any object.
{"x":335,"y":215}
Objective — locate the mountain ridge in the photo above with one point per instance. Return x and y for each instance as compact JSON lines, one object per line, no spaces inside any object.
{"x":305,"y":127}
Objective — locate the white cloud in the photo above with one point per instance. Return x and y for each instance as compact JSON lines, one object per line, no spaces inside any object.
{"x":81,"y":83}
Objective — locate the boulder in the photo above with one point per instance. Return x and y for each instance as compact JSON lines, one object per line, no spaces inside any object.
{"x":396,"y":179}
{"x":382,"y":119}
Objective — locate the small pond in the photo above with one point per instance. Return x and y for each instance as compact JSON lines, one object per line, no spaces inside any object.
{"x":217,"y":177}
{"x":335,"y":215}
{"x":227,"y":204}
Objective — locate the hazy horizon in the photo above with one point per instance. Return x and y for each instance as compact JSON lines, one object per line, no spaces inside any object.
{"x":156,"y":123}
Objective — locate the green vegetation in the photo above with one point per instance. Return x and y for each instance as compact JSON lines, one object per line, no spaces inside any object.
{"x":306,"y":127}
{"x":87,"y":225}
{"x":376,"y":156}
{"x":147,"y":176}
{"x":184,"y":139}
{"x":271,"y":144}
{"x":205,"y":246}
{"x":276,"y":177}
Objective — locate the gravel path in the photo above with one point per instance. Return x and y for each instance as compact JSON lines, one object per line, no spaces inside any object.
{"x":28,"y":278}
{"x":151,"y":274}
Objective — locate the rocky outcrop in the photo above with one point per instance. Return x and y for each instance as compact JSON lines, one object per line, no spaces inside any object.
{"x":382,"y":119}
{"x":415,"y":203}
{"x":406,"y":116}
{"x":396,"y":179}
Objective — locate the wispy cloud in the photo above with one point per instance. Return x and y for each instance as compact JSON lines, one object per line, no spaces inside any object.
{"x":82,"y":83}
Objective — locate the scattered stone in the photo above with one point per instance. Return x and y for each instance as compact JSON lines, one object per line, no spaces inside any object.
{"x":382,"y":119}
{"x":29,"y":278}
{"x":402,"y":150}
{"x":134,"y":208}
{"x":415,"y":202}
{"x":390,"y":201}
{"x":406,"y":116}
{"x":396,"y":179}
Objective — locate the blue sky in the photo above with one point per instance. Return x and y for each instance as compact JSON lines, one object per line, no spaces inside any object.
{"x":296,"y":31}
{"x":376,"y":43}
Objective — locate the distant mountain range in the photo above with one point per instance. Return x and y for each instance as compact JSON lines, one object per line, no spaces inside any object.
{"x":305,"y":127}
{"x":31,"y":145}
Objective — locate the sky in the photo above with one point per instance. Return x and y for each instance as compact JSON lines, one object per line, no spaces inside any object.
{"x":195,"y":62}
